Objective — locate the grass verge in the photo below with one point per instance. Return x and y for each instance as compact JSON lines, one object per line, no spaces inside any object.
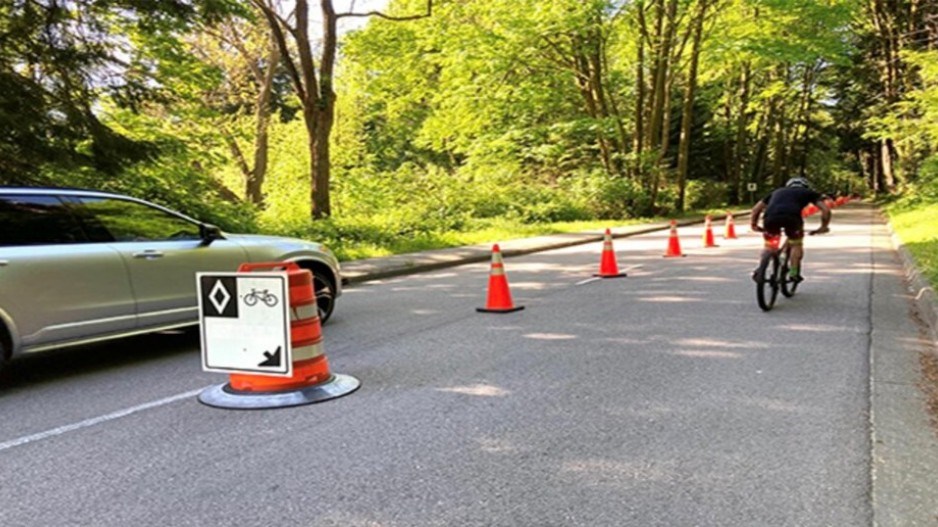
{"x":473,"y":232}
{"x":916,"y":224}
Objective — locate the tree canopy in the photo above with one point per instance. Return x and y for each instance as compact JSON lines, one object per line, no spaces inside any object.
{"x":432,"y":112}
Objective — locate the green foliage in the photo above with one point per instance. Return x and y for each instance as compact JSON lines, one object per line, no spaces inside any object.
{"x":476,"y":118}
{"x":176,"y":182}
{"x":914,"y":217}
{"x":706,"y":194}
{"x":58,"y":59}
{"x":609,"y":196}
{"x":924,"y":189}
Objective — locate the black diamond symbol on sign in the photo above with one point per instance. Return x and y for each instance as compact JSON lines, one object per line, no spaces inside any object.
{"x":218,"y":296}
{"x":273,"y":359}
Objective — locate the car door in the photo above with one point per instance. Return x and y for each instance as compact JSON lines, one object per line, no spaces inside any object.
{"x":55,"y":284}
{"x":162,"y":251}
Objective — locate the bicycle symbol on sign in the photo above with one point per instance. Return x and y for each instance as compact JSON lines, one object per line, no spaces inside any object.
{"x":254,"y":296}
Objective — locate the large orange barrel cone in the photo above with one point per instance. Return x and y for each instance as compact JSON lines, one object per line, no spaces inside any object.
{"x":730,"y":233}
{"x":674,"y":244}
{"x":312,"y":381}
{"x":499,"y":297}
{"x":608,"y":268}
{"x":708,"y":240}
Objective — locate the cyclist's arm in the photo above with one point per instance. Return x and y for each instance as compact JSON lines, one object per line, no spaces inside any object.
{"x":755,"y":215}
{"x":825,"y":217}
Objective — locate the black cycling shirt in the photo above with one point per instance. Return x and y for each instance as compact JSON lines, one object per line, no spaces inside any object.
{"x":789,"y":201}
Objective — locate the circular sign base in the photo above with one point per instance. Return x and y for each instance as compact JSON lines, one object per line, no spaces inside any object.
{"x":223,"y":396}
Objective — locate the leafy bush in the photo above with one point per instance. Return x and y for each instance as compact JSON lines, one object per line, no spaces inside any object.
{"x":608,"y":196}
{"x":913,"y":218}
{"x":926,"y":185}
{"x":705,"y":194}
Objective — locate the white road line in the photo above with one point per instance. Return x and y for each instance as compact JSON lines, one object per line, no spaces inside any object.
{"x":96,"y":420}
{"x":588,"y":280}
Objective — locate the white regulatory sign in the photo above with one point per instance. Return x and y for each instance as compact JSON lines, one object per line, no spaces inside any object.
{"x":245,"y":323}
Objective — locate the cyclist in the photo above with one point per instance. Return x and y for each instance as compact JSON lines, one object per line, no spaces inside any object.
{"x":782,"y":208}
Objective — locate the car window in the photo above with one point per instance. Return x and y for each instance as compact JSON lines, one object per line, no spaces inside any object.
{"x":129,"y":221}
{"x":37,"y":220}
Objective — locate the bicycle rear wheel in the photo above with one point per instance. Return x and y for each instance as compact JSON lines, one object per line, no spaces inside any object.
{"x":788,"y":286}
{"x":767,"y":278}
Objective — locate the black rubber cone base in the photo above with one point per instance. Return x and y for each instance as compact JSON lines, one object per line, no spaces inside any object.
{"x":509,"y":310}
{"x":223,"y":396}
{"x":620,"y":275}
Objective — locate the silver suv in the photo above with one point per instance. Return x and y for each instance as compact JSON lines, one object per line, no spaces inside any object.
{"x":81,"y":266}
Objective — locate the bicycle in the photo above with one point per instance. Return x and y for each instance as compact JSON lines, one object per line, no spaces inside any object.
{"x":772,"y":275}
{"x":254,"y":296}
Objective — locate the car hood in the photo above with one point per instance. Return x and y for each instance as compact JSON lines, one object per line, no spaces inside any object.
{"x":262,"y":247}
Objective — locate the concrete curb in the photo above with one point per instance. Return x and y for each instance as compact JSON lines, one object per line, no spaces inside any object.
{"x":358,"y":271}
{"x":926,"y":302}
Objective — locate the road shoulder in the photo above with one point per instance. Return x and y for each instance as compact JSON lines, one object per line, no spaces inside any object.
{"x":904,"y":442}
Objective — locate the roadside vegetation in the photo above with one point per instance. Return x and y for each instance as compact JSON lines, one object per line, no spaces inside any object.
{"x":432,"y":123}
{"x":915,"y":224}
{"x":358,"y":241}
{"x":914,"y":217}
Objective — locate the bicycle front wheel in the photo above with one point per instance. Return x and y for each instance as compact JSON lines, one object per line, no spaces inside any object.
{"x":788,"y":285}
{"x":767,"y":278}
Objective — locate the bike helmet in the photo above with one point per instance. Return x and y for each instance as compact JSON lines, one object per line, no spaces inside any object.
{"x":797,"y":182}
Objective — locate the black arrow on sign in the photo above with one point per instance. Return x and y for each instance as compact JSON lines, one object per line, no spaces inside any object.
{"x":273,"y":359}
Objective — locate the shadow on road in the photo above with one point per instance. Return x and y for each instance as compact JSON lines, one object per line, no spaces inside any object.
{"x":77,"y":361}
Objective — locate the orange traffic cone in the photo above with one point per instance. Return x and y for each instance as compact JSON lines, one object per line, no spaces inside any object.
{"x":674,"y":244}
{"x":608,"y":268}
{"x":708,"y":240}
{"x":499,"y":297}
{"x":730,"y":233}
{"x":312,"y":380}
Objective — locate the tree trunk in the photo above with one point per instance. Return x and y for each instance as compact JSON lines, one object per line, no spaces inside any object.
{"x":255,"y":180}
{"x":883,"y":15}
{"x":314,"y":88}
{"x":688,"y":107}
{"x":662,"y":58}
{"x":804,"y":120}
{"x":640,"y":89}
{"x":740,"y":147}
{"x":887,"y":156}
{"x":766,"y":125}
{"x":729,"y":152}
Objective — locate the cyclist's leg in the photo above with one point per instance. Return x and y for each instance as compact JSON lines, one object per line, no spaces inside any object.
{"x":794,"y":229}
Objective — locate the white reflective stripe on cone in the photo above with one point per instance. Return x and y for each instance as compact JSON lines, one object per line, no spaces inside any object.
{"x":304,"y":312}
{"x":307,"y":352}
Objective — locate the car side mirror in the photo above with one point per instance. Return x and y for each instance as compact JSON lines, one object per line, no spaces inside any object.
{"x":209,"y":233}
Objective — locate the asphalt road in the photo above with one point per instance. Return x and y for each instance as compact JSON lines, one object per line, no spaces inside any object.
{"x":666,"y":398}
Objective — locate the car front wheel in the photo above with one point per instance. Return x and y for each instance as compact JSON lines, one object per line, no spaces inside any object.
{"x":4,"y":355}
{"x":325,"y":295}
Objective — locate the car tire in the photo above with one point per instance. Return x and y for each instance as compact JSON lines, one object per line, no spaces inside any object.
{"x":325,"y":295}
{"x":4,"y":353}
